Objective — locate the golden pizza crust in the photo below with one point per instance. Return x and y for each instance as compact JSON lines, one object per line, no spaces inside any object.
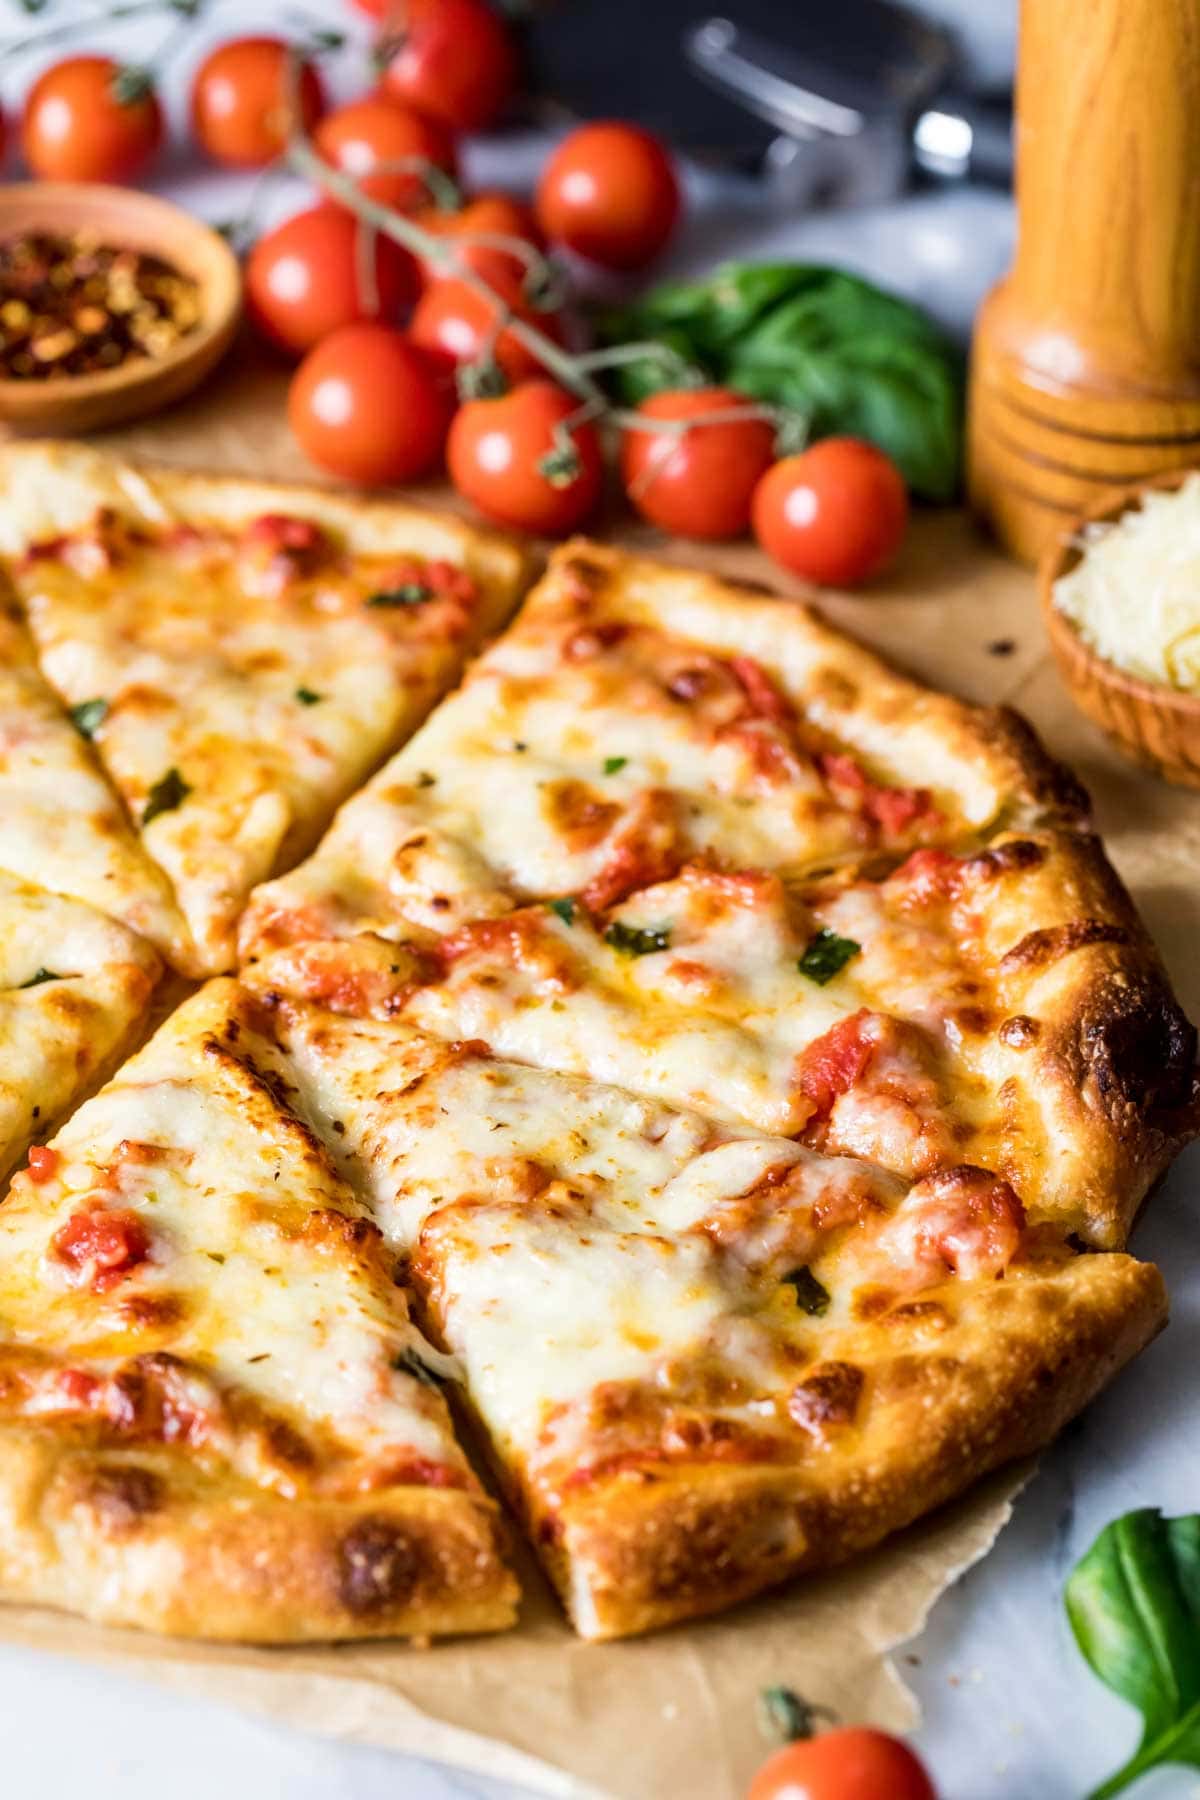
{"x":145,"y":1537}
{"x":940,"y":1409}
{"x":1092,"y":1059}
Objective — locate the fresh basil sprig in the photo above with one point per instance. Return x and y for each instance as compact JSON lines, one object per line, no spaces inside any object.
{"x":821,"y":343}
{"x":1134,"y":1605}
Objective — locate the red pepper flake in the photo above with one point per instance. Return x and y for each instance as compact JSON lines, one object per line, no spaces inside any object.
{"x":74,"y":306}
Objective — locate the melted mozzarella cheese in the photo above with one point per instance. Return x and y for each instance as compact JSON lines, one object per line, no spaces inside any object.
{"x":57,"y":1036}
{"x":61,"y":826}
{"x":264,"y":1289}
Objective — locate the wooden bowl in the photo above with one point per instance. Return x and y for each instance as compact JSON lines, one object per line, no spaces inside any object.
{"x":1157,"y":725}
{"x":124,"y":216}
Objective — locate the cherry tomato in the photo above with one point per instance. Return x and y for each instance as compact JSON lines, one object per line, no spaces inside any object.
{"x":304,"y":279}
{"x":609,"y":192}
{"x":698,"y":483}
{"x":240,"y":101}
{"x":496,"y":449}
{"x":854,"y":1764}
{"x":836,"y":513}
{"x":496,"y":215}
{"x":454,"y":323}
{"x":455,"y":61}
{"x":358,"y":137}
{"x":369,"y":406}
{"x":85,"y":119}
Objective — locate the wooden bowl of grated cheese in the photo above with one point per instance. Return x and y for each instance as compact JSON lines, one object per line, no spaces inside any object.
{"x":1120,"y":594}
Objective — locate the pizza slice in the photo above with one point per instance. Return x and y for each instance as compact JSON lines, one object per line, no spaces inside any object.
{"x":216,"y":1418}
{"x":706,"y":1359}
{"x":244,"y":653}
{"x":768,"y":948}
{"x":74,"y":991}
{"x":61,"y":825}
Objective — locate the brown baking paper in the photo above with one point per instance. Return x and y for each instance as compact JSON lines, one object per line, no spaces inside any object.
{"x":678,"y":1711}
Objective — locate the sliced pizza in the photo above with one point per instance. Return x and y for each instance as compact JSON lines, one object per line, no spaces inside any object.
{"x":244,"y":653}
{"x":705,"y":1358}
{"x":61,"y":825}
{"x":74,"y":992}
{"x":216,"y":1418}
{"x":731,"y":913}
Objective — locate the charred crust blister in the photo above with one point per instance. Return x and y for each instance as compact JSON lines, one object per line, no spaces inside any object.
{"x":378,"y":1568}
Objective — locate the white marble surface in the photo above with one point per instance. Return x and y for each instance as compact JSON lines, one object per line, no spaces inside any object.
{"x":1011,"y":1713}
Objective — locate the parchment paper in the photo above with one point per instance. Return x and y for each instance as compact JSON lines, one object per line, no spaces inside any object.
{"x":677,"y":1711}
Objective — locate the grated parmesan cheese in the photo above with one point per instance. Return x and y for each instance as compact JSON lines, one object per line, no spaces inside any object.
{"x":1134,"y":596}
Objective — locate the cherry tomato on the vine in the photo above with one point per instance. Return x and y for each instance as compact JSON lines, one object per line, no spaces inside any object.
{"x":89,"y":119}
{"x":836,"y":513}
{"x":491,"y":215}
{"x":699,"y":482}
{"x":609,"y":192}
{"x":366,"y":133}
{"x":455,"y":323}
{"x":454,"y":60}
{"x":321,"y":269}
{"x":369,"y":406}
{"x":240,"y":101}
{"x":505,"y":455}
{"x":852,"y":1764}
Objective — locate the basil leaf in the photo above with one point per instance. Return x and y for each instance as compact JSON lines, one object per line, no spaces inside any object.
{"x":1134,"y":1605}
{"x":826,"y":955}
{"x":88,"y":716}
{"x":564,"y":908}
{"x":811,"y":1296}
{"x":307,"y":697}
{"x":410,"y":593}
{"x":841,"y":352}
{"x":635,"y":940}
{"x":614,"y":764}
{"x":37,"y":979}
{"x":166,"y":794}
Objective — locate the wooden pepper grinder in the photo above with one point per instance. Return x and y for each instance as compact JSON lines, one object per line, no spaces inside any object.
{"x":1085,"y":369}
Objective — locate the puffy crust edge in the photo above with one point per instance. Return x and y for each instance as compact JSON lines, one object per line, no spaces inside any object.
{"x":635,"y":1554}
{"x":137,"y":1537}
{"x":1095,"y":1060}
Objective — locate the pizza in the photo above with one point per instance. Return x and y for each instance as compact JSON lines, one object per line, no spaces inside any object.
{"x":61,"y":825}
{"x":240,"y":654}
{"x":688,"y":1059}
{"x":74,"y":991}
{"x":216,"y":1416}
{"x":693,"y":842}
{"x":705,"y":1358}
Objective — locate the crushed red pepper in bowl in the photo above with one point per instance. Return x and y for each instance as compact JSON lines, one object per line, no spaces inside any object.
{"x":73,"y":305}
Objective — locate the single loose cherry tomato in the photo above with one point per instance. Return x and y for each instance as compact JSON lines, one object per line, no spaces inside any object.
{"x":489,"y":215}
{"x":313,"y":273}
{"x":699,"y":482}
{"x":836,"y":513}
{"x":854,"y":1764}
{"x":455,"y":60}
{"x":497,"y":456}
{"x":89,"y":119}
{"x":455,"y":323}
{"x":368,"y":405}
{"x":240,"y":109}
{"x":609,"y":192}
{"x":359,"y":137}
